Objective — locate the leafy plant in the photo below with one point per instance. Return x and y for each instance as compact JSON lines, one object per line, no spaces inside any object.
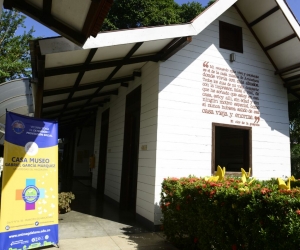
{"x":125,"y":14}
{"x":64,"y":201}
{"x":230,"y":214}
{"x":14,"y":49}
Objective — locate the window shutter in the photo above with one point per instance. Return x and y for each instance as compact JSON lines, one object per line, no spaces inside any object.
{"x":231,"y":37}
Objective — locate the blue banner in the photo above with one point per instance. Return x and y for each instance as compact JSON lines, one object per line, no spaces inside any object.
{"x":30,"y":238}
{"x":29,"y":199}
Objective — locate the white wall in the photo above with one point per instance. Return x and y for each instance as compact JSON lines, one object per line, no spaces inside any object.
{"x":175,"y":136}
{"x":146,"y":166}
{"x":184,"y":133}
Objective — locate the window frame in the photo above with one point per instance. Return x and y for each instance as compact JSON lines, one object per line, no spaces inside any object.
{"x":213,"y":152}
{"x":228,"y":30}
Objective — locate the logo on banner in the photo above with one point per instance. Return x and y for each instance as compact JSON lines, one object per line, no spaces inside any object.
{"x":31,"y":194}
{"x":18,"y":127}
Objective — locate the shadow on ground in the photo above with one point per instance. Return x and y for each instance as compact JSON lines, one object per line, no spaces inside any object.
{"x":96,"y":223}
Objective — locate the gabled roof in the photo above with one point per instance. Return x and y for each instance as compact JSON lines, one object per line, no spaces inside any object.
{"x":76,"y":20}
{"x":278,"y":33}
{"x":75,"y":81}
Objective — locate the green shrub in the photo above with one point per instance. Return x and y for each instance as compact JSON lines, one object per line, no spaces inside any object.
{"x":64,"y":201}
{"x":200,"y":214}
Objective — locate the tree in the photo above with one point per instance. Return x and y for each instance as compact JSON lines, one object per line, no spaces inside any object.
{"x":190,"y":10}
{"x":14,"y":50}
{"x":126,"y":14}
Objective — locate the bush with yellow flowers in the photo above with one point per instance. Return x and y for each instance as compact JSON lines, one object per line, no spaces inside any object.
{"x":231,"y":213}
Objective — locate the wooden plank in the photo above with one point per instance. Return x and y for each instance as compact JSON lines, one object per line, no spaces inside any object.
{"x":79,"y":98}
{"x":100,"y":104}
{"x":87,"y":86}
{"x":78,"y":80}
{"x":287,"y":69}
{"x":126,"y":58}
{"x":173,"y":47}
{"x":97,"y":12}
{"x":97,"y":65}
{"x":262,"y":17}
{"x":283,"y":40}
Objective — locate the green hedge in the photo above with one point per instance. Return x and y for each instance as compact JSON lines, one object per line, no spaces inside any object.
{"x":199,"y":214}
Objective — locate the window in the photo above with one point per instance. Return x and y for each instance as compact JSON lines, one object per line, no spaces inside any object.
{"x":231,"y":37}
{"x":232,"y":147}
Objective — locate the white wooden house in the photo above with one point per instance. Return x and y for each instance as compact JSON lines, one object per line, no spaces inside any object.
{"x":177,"y":100}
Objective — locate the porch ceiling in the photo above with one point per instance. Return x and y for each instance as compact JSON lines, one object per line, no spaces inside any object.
{"x":73,"y":19}
{"x":73,"y":84}
{"x":278,"y":32}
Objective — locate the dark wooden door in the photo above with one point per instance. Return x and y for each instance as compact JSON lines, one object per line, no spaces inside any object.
{"x":131,"y":150}
{"x":103,"y":152}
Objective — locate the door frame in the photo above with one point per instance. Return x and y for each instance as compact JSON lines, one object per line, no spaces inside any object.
{"x":130,"y":159}
{"x":104,"y":129}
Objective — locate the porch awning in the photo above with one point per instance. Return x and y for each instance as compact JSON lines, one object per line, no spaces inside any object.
{"x":71,"y":85}
{"x":76,"y":20}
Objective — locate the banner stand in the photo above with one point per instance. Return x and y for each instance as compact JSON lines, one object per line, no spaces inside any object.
{"x":29,"y":199}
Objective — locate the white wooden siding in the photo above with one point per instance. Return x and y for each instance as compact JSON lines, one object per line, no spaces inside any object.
{"x":148,"y":135}
{"x":184,"y":133}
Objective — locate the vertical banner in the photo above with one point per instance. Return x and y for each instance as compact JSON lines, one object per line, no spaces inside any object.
{"x":29,"y":200}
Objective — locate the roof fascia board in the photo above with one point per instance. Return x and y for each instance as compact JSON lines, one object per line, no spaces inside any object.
{"x":119,"y":37}
{"x":57,"y":45}
{"x":289,"y":16}
{"x":211,"y":14}
{"x":164,"y":32}
{"x":139,"y":35}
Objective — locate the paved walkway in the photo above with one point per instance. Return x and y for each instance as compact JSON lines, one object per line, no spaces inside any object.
{"x":95,"y":224}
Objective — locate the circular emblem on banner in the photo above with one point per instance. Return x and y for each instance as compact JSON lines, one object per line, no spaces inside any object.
{"x":18,"y":127}
{"x":31,"y":148}
{"x":31,"y":194}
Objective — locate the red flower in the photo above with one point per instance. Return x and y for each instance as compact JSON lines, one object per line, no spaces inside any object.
{"x":264,"y":190}
{"x":167,"y":204}
{"x":298,"y":211}
{"x":178,"y":207}
{"x":234,"y":247}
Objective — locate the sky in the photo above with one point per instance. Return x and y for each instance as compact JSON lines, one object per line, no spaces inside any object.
{"x":43,"y":31}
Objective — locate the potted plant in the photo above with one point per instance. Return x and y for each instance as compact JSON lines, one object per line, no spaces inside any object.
{"x":64,"y":201}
